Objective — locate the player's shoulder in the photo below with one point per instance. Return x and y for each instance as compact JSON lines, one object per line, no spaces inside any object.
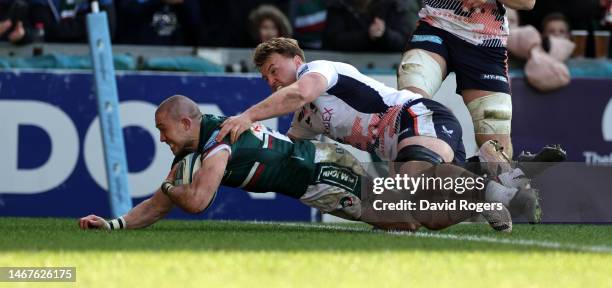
{"x":328,"y":64}
{"x":315,"y":66}
{"x":212,"y":120}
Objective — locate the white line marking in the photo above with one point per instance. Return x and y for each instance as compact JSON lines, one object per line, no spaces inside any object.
{"x":445,"y":236}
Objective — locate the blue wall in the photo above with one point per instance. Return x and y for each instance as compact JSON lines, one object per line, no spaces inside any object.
{"x":578,"y":116}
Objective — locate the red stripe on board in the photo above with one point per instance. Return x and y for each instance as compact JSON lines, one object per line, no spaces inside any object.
{"x":311,"y":28}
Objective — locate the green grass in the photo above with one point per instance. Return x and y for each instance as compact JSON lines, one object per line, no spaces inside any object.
{"x":239,"y":254}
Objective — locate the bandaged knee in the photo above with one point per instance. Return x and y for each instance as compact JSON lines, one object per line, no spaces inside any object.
{"x":419,"y":70}
{"x":491,"y":114}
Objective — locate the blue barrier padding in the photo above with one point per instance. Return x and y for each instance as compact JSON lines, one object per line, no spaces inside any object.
{"x":108,"y":111}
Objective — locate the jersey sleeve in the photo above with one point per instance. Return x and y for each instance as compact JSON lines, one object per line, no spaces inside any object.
{"x":213,"y":146}
{"x":325,"y":68}
{"x":299,"y":131}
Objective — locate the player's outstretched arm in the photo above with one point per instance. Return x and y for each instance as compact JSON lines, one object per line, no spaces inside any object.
{"x":284,"y":101}
{"x":196,"y":196}
{"x":143,"y":215}
{"x":519,"y":4}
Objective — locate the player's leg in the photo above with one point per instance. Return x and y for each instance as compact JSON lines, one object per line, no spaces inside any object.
{"x":482,"y":80}
{"x":423,"y":65}
{"x":337,"y":189}
{"x":420,"y":161}
{"x":430,"y":139}
{"x":491,"y":115}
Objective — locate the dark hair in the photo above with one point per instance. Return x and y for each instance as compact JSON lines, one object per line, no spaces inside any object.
{"x":555,"y":16}
{"x":285,"y":46}
{"x":264,"y":12}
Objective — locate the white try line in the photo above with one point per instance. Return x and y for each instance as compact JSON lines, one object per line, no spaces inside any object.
{"x":446,"y":236}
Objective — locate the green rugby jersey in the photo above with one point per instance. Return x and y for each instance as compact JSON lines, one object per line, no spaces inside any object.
{"x":261,"y":160}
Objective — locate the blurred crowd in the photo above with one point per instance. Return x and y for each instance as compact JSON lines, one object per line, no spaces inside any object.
{"x":341,"y":25}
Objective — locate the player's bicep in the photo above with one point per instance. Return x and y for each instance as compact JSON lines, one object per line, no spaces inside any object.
{"x":207,"y":179}
{"x":311,"y":86}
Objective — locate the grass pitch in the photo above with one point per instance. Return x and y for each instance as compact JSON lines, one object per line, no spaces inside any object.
{"x":246,"y":254}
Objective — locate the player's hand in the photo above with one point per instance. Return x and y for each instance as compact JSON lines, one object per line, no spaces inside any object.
{"x":18,"y":33}
{"x":5,"y":25}
{"x":235,"y":125}
{"x":93,"y":222}
{"x":473,"y":3}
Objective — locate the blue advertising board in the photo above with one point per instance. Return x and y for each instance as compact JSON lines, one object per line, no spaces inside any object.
{"x":51,"y":149}
{"x":53,"y":163}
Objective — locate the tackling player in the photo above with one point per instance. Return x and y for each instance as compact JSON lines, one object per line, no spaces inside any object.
{"x":469,"y":38}
{"x":262,"y":160}
{"x":336,"y":100}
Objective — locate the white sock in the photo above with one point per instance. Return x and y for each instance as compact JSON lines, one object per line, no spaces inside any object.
{"x":497,"y":193}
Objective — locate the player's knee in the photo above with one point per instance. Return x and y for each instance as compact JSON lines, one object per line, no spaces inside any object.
{"x":418,"y":153}
{"x":491,"y":114}
{"x":419,"y":70}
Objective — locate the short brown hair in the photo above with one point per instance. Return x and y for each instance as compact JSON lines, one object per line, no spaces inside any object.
{"x":272,"y":13}
{"x":555,"y":16}
{"x":285,"y":46}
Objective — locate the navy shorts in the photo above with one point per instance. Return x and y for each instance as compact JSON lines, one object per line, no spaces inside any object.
{"x":425,"y":117}
{"x":477,"y":67}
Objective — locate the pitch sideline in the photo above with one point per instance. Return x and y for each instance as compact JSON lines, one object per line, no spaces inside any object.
{"x":445,"y":236}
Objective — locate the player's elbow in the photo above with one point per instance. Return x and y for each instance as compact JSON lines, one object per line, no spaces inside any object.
{"x":194,"y":208}
{"x":197,"y":205}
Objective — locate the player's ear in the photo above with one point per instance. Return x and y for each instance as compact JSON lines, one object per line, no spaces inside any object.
{"x":186,"y":123}
{"x":297,"y":60}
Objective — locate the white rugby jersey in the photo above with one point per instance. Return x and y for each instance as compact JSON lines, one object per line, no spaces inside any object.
{"x":355,"y":110}
{"x":486,"y":25}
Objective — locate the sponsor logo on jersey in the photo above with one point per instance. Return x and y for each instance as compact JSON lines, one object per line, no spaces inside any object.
{"x":427,"y":38}
{"x":302,"y":70}
{"x":447,"y":131}
{"x":326,"y":116}
{"x":211,"y":141}
{"x":338,"y":176}
{"x":494,"y":77}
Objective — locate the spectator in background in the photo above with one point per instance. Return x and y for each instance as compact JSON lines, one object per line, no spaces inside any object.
{"x":555,"y":24}
{"x":308,"y":18}
{"x":14,"y":23}
{"x":226,"y":22}
{"x":159,"y":22}
{"x":64,"y":20}
{"x":543,"y":55}
{"x":267,"y":22}
{"x":368,"y":25}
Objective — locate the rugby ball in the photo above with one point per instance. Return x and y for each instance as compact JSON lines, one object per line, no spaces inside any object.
{"x":186,"y":169}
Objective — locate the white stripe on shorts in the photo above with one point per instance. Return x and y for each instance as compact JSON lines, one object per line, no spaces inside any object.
{"x":424,"y":119}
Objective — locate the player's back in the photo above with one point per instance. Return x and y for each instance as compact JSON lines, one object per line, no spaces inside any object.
{"x":262,"y":160}
{"x":486,"y":25}
{"x":355,"y":109}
